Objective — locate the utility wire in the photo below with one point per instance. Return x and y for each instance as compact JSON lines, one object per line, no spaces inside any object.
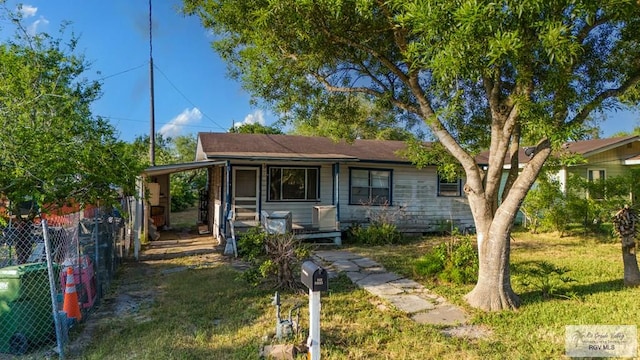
{"x":116,"y":118}
{"x":186,"y":98}
{"x":122,"y":72}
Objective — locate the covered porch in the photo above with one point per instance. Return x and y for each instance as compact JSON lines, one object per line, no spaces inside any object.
{"x":242,"y":191}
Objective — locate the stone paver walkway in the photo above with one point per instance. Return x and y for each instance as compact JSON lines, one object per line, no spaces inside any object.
{"x":405,"y":294}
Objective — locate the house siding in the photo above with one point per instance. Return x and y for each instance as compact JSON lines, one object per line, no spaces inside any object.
{"x":415,"y":206}
{"x":612,"y":161}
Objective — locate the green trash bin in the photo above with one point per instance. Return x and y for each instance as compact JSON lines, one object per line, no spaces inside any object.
{"x":26,"y":316}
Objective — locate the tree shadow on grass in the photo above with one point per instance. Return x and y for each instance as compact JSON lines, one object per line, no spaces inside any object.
{"x":574,"y":290}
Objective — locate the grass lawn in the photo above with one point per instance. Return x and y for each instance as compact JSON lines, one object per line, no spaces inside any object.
{"x":206,"y":312}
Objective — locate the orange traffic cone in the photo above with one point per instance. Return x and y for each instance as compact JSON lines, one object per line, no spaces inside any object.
{"x":71,"y":305}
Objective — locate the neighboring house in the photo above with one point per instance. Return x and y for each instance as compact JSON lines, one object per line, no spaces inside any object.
{"x":322,"y":185}
{"x":604,"y":158}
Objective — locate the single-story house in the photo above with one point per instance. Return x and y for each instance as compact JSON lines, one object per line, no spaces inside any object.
{"x":317,"y":187}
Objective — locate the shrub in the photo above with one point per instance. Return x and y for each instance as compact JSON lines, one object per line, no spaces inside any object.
{"x":374,"y":234}
{"x":274,"y":258}
{"x":381,"y":230}
{"x":588,"y":204}
{"x":455,"y":261}
{"x":251,"y":244}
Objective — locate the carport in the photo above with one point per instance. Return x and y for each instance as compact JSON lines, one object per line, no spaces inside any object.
{"x":156,"y":182}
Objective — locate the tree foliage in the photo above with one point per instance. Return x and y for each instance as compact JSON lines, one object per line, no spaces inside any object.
{"x":184,"y":186}
{"x":367,"y":121}
{"x":255,"y":128}
{"x":587,"y":204}
{"x":52,"y":149}
{"x":479,"y":74}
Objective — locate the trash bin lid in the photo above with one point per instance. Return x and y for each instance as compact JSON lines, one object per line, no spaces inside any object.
{"x":17,"y":271}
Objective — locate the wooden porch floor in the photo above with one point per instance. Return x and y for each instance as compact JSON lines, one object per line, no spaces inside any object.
{"x":307,"y":233}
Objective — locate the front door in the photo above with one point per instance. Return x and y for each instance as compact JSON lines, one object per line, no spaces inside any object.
{"x":245,"y":193}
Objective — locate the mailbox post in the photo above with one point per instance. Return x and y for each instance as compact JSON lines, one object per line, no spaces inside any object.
{"x":315,"y":278}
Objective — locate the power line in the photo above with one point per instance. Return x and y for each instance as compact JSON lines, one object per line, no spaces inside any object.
{"x":186,"y":98}
{"x":122,"y":72}
{"x":144,"y":121}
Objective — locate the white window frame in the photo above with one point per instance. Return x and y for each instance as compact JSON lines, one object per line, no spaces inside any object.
{"x":448,"y":192}
{"x":370,"y":187}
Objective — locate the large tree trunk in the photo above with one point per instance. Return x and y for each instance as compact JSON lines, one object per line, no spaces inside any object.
{"x":631,"y":271}
{"x":493,"y":290}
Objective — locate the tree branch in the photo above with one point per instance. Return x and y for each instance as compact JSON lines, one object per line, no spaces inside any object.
{"x":365,"y":90}
{"x":581,"y":116}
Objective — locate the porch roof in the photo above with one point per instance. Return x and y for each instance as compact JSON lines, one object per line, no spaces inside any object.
{"x":219,"y":146}
{"x":174,"y":168}
{"x":634,"y":160}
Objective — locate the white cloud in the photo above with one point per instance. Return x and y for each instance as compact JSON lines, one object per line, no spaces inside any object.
{"x":27,"y":10}
{"x":33,"y":28}
{"x":257,"y":117}
{"x":185,"y":118}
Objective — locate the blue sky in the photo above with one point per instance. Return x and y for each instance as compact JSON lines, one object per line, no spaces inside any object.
{"x":192,"y":92}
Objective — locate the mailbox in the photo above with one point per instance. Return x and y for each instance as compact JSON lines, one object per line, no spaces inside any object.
{"x":314,"y":277}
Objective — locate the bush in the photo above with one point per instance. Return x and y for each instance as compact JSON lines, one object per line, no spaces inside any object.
{"x":274,"y":259}
{"x":590,"y":204}
{"x":455,"y":261}
{"x":374,"y":234}
{"x":251,"y":244}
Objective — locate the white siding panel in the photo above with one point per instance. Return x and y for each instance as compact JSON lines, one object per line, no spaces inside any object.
{"x":415,"y":204}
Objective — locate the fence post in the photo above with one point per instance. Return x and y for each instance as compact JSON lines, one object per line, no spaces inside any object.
{"x":95,"y":235}
{"x":52,"y":289}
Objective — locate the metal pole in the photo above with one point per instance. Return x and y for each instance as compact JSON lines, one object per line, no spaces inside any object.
{"x":313,"y":343}
{"x":52,"y":290}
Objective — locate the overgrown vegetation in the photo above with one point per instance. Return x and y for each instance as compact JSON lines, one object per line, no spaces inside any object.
{"x":454,"y":261}
{"x":274,"y":258}
{"x":381,"y":229}
{"x":584,"y":205}
{"x":55,"y":151}
{"x":373,"y":234}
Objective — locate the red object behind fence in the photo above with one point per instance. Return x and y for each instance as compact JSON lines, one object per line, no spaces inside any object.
{"x":85,"y":280}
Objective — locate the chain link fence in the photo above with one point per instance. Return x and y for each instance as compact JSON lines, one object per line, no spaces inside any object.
{"x":38,"y":261}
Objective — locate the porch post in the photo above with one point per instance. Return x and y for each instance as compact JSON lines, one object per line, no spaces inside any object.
{"x":336,"y":191}
{"x":141,"y":226}
{"x":227,"y":196}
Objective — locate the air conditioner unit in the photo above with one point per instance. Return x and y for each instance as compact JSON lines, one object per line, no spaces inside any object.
{"x":278,"y":222}
{"x":324,"y":217}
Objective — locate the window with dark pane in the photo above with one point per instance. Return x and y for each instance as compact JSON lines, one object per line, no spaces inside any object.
{"x":293,"y":183}
{"x":370,"y":187}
